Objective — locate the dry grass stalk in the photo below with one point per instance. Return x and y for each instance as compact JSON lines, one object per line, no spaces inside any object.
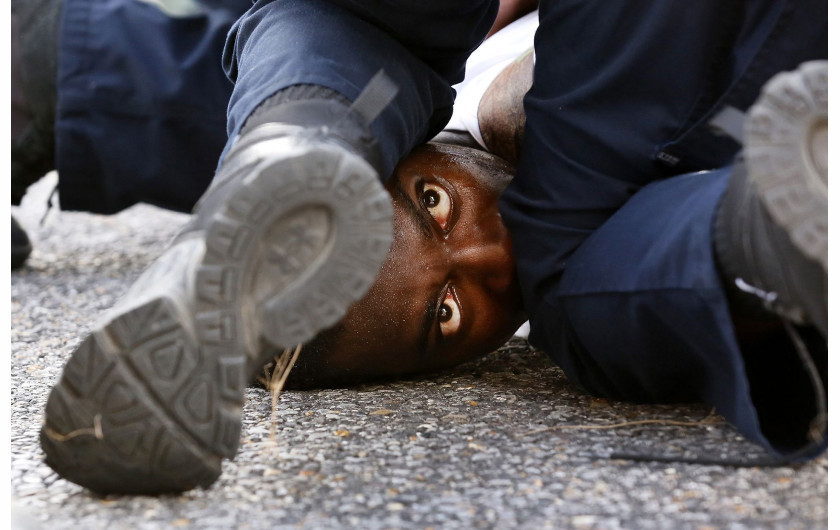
{"x":708,"y":420}
{"x":95,"y":431}
{"x":275,"y":382}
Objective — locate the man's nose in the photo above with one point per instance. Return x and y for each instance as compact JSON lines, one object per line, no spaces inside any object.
{"x":489,"y":263}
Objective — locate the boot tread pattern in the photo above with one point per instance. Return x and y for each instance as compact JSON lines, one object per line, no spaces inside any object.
{"x":150,"y":402}
{"x":785,"y":151}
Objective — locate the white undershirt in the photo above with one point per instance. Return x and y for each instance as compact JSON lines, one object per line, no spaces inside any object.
{"x":485,"y":63}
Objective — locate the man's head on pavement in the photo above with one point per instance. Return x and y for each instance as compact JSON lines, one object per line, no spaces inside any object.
{"x":448,"y":290}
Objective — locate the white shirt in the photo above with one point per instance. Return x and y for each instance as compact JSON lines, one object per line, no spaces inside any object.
{"x":485,"y":63}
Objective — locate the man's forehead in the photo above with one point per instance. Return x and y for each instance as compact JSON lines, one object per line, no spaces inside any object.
{"x":468,"y":165}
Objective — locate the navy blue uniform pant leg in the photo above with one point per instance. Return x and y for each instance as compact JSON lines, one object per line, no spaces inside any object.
{"x":341,"y":44}
{"x":640,"y":313}
{"x":623,"y":92}
{"x":141,"y":102}
{"x":613,"y":247}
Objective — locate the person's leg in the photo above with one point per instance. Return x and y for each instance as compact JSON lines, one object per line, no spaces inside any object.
{"x":771,"y":234}
{"x":623,"y":97}
{"x":141,"y":101}
{"x":34,"y":51}
{"x":627,"y":93}
{"x":291,"y":232}
{"x":143,"y":122}
{"x":35,"y":26}
{"x":341,"y":44}
{"x":641,"y":314}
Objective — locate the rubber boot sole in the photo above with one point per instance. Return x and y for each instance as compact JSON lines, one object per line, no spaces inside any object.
{"x":151,"y":401}
{"x":786,"y":152}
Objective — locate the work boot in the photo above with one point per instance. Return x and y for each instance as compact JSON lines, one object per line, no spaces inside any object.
{"x":21,"y":247}
{"x":771,"y":243}
{"x":292,"y":231}
{"x":771,"y":233}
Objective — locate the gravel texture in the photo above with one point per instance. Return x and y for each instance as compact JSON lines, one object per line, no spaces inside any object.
{"x":479,"y":447}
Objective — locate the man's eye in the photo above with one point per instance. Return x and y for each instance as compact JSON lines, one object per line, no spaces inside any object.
{"x":436,"y":200}
{"x":449,"y":315}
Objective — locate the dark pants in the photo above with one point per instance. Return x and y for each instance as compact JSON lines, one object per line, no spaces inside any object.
{"x":613,"y":249}
{"x":341,"y":44}
{"x":167,"y":95}
{"x":34,"y":54}
{"x":141,"y":102}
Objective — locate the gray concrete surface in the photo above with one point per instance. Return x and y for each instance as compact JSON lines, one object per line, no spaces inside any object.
{"x":464,"y":449}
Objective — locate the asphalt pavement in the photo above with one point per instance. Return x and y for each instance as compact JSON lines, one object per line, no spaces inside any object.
{"x":503,"y":442}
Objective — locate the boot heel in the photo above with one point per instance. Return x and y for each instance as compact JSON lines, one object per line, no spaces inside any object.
{"x":786,"y":152}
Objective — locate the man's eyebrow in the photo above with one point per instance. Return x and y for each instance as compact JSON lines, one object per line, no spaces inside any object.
{"x":408,"y":204}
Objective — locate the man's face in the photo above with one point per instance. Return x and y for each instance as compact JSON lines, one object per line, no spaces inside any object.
{"x":447,"y":291}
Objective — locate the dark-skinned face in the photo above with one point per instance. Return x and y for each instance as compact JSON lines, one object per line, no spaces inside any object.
{"x":448,"y":290}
